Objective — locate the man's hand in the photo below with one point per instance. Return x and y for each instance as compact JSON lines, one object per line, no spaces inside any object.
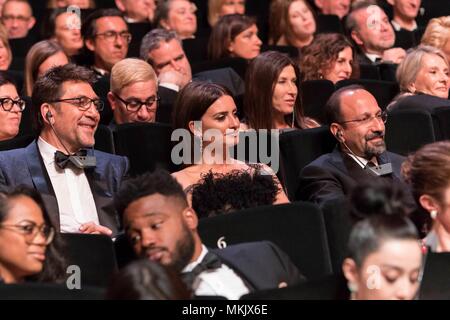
{"x":92,"y":228}
{"x":173,"y":77}
{"x":394,"y":55}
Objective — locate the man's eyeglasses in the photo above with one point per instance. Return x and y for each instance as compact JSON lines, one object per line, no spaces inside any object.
{"x":135,"y":105}
{"x":368,"y":119}
{"x":83,"y":103}
{"x":30,"y":230}
{"x":111,"y":36}
{"x":8,"y":104}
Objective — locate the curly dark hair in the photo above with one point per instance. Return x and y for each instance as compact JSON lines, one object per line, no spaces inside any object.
{"x":218,"y":193}
{"x":320,"y":55}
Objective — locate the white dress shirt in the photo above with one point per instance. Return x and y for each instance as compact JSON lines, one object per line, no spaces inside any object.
{"x":398,"y":27}
{"x":219,"y":282}
{"x":359,"y":160}
{"x":373,"y":57}
{"x":170,"y":86}
{"x":74,"y":196}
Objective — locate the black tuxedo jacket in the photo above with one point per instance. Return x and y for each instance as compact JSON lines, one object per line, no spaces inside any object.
{"x":262,"y":265}
{"x":25,"y":167}
{"x":334,"y":175}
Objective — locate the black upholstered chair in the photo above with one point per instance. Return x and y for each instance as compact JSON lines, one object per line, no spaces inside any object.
{"x":315,"y":94}
{"x":93,"y":254}
{"x":408,"y":130}
{"x":104,"y":140}
{"x":297,"y":228}
{"x":148,"y":146}
{"x":297,"y":149}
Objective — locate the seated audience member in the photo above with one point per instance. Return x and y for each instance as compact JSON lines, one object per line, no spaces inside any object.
{"x":272,"y":99}
{"x":220,"y":8}
{"x":11,"y":107}
{"x":330,"y":56}
{"x":357,"y":122}
{"x":369,"y":27}
{"x":428,"y":173}
{"x":162,"y":49}
{"x":292,"y":23}
{"x":133,"y":96}
{"x":5,"y":49}
{"x":106,"y":37}
{"x":437,"y":34}
{"x":29,"y":244}
{"x":425,"y":70}
{"x":339,"y":8}
{"x":218,"y":193}
{"x":40,"y":58}
{"x":377,"y":197}
{"x":137,"y":10}
{"x":17,"y":17}
{"x":405,"y":13}
{"x":147,"y":280}
{"x":385,"y":247}
{"x":177,"y":15}
{"x":203,"y":106}
{"x":77,"y":191}
{"x":83,"y":4}
{"x":234,"y":36}
{"x":65,"y":28}
{"x":158,"y":200}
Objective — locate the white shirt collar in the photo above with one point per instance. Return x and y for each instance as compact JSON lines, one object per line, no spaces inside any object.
{"x":47,"y":151}
{"x":397,"y":27}
{"x":359,"y":160}
{"x":193,"y":264}
{"x":170,"y":86}
{"x":100,"y":71}
{"x":372,"y":56}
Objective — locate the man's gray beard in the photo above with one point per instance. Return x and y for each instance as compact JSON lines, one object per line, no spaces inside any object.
{"x":374,"y":151}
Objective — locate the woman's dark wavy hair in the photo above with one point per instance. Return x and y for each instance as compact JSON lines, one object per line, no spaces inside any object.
{"x":218,"y":193}
{"x":224,"y":32}
{"x":54,"y":265}
{"x":320,"y":55}
{"x":260,"y":80}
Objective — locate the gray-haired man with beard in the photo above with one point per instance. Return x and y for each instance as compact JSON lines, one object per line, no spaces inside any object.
{"x":357,"y":122}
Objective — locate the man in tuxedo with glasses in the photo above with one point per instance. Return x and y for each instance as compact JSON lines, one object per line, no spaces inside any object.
{"x":76,"y":182}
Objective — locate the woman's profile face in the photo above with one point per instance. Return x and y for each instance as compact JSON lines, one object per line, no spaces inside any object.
{"x":341,"y":68}
{"x":285,"y":91}
{"x":390,"y":273}
{"x":221,"y":119}
{"x":232,"y":7}
{"x":433,"y":77}
{"x":5,"y":57}
{"x":22,"y":253}
{"x":246,"y":44}
{"x":301,"y":20}
{"x":58,"y":59}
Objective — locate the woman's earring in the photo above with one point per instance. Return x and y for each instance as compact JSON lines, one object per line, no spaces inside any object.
{"x":433,"y":214}
{"x":352,"y":287}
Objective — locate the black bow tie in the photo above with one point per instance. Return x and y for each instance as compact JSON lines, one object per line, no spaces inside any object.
{"x":210,"y":262}
{"x":62,"y":159}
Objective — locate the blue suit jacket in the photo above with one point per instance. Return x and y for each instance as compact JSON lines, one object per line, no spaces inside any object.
{"x":25,"y":167}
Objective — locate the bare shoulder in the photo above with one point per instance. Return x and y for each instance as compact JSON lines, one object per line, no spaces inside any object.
{"x":185,"y":178}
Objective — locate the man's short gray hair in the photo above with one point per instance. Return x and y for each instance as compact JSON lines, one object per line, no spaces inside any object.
{"x":152,"y":41}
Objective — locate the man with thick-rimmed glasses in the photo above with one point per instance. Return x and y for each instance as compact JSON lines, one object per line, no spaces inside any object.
{"x":357,"y":123}
{"x":77,"y":182}
{"x":133,"y":96}
{"x":106,"y":36}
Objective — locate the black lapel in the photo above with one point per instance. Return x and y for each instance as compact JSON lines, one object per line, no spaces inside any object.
{"x":41,"y":181}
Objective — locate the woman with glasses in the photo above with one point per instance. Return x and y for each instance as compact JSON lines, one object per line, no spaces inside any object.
{"x":41,"y":57}
{"x":29,"y":248}
{"x":11,"y":107}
